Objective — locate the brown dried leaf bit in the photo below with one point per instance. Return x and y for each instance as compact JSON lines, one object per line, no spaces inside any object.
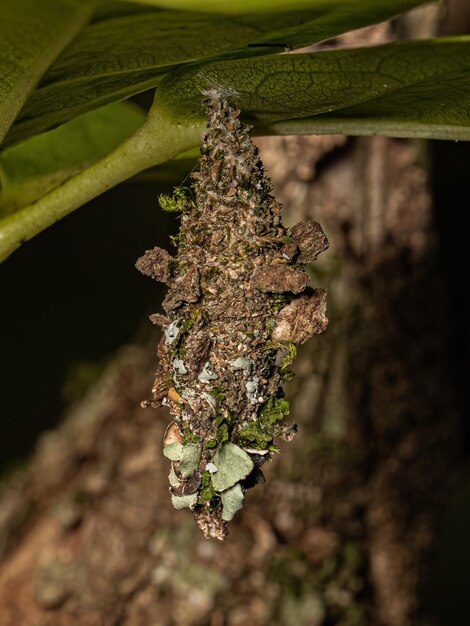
{"x":311,"y":240}
{"x":233,"y":319}
{"x":302,"y":318}
{"x":156,"y":264}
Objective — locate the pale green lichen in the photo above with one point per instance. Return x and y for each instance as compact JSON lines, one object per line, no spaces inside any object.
{"x":232,"y":501}
{"x":173,"y":478}
{"x":189,"y":460}
{"x":173,"y":451}
{"x":184,"y":502}
{"x":233,"y":464}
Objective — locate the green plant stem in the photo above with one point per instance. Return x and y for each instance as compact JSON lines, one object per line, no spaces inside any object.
{"x":155,"y":142}
{"x":360,"y":127}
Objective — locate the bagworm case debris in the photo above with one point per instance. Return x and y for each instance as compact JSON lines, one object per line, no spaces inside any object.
{"x":239,"y":300}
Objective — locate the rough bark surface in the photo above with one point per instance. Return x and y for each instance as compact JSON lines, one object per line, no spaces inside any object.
{"x":339,"y":533}
{"x":388,"y":323}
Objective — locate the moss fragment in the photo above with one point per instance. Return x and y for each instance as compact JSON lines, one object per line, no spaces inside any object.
{"x":274,"y":410}
{"x":178,"y":202}
{"x":207,"y":491}
{"x":260,"y":433}
{"x":221,"y":436}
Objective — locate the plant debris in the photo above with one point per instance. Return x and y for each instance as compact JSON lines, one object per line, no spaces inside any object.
{"x":237,"y":305}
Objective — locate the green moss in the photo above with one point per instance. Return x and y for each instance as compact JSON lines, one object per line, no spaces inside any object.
{"x":211,"y":273}
{"x":207,"y":491}
{"x":175,"y":240}
{"x":190,"y":438}
{"x":179,"y":349}
{"x":279,"y":301}
{"x":222,"y":434}
{"x":270,"y":326}
{"x":253,"y":435}
{"x":179,"y":201}
{"x":274,"y":410}
{"x":289,"y":348}
{"x":197,"y":315}
{"x":260,"y":433}
{"x":186,"y":325}
{"x":217,"y":393}
{"x":287,"y":375}
{"x":291,"y":353}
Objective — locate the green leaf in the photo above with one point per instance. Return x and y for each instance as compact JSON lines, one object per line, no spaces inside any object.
{"x":119,"y":8}
{"x":155,"y":142}
{"x":260,"y":6}
{"x":32,"y":34}
{"x":36,"y":166}
{"x":425,"y":85}
{"x":426,"y":109}
{"x":120,"y":56}
{"x":173,"y":171}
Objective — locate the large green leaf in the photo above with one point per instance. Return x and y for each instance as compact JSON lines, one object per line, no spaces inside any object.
{"x":427,"y":110}
{"x":32,"y":34}
{"x":440,"y":109}
{"x":38,"y":165}
{"x":424,"y":83}
{"x":256,"y":6}
{"x":119,"y":8}
{"x":157,"y":141}
{"x":408,"y":89}
{"x":121,"y":56}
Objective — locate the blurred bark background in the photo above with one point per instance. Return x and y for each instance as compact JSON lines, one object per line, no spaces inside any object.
{"x":341,"y":533}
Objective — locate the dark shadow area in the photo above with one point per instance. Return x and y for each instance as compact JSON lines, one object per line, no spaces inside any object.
{"x":70,"y":296}
{"x":451,"y":193}
{"x":448,"y":587}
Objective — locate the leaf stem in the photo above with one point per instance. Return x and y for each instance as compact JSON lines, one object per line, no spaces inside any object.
{"x":388,"y":127}
{"x":155,"y":142}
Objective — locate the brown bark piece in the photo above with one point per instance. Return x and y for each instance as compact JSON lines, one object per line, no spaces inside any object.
{"x":279,"y":279}
{"x":311,"y":240}
{"x":304,"y":317}
{"x":184,"y":289}
{"x":155,"y":263}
